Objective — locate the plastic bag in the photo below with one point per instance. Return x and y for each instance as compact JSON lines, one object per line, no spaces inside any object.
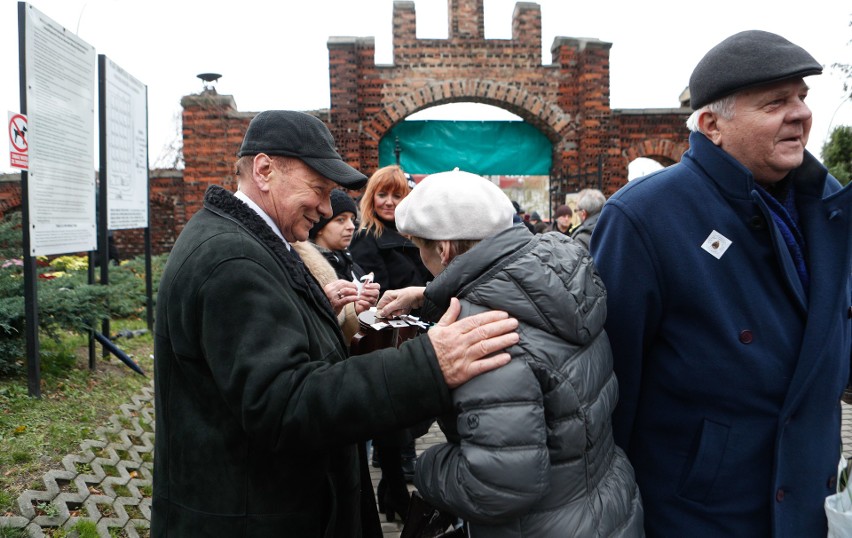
{"x":838,"y":507}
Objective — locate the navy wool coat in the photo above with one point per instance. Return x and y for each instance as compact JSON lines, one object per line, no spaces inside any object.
{"x":730,"y":373}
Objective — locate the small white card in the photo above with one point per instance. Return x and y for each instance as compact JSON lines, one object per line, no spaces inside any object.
{"x":366,"y":279}
{"x":397,"y":323}
{"x":716,"y":244}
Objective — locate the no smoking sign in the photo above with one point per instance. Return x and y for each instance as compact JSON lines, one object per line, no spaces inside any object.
{"x":18,"y":143}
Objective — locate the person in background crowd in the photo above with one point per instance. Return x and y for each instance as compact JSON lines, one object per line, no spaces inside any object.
{"x":520,"y":217}
{"x":729,"y":298}
{"x":258,"y":408}
{"x":539,"y":226}
{"x":377,"y":246}
{"x":327,"y":258}
{"x":395,"y":263}
{"x":332,"y":236}
{"x":530,"y":450}
{"x":563,"y":220}
{"x":589,"y":205}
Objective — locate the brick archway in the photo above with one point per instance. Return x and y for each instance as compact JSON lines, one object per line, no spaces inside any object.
{"x":567,"y":100}
{"x":663,"y":151}
{"x":552,"y":121}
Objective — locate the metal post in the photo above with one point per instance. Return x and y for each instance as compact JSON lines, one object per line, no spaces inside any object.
{"x":149,"y":286}
{"x":103,"y":180}
{"x":30,"y":276}
{"x":91,"y":323}
{"x":30,"y":297}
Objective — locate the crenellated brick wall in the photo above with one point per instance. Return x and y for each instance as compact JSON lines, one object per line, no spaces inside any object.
{"x":568,"y":100}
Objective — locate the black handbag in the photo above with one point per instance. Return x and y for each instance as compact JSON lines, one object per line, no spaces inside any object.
{"x":425,"y":521}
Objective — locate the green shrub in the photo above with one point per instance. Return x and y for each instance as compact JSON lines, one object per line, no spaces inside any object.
{"x":66,"y":300}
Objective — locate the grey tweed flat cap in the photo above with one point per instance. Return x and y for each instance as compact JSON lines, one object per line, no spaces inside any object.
{"x":744,"y":60}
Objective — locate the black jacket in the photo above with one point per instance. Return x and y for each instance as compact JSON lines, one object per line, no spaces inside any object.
{"x":342,"y":263}
{"x":393,"y":259}
{"x":258,"y":413}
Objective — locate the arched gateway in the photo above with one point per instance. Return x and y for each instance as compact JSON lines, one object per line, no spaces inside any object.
{"x":567,"y":101}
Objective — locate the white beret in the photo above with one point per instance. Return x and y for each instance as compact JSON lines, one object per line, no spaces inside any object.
{"x":454,"y":205}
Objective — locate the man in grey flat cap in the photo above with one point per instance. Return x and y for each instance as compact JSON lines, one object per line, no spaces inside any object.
{"x":258,"y":409}
{"x":729,"y":313}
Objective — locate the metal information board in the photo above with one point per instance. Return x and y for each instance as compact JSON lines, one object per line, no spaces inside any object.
{"x":126,"y":126}
{"x":60,"y":101}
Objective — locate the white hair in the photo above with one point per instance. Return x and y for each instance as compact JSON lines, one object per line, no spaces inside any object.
{"x":591,"y":201}
{"x":723,"y":107}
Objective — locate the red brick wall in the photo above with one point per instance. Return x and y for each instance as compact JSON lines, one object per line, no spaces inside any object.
{"x":165,"y":212}
{"x":10,"y":192}
{"x":567,"y":100}
{"x":660,"y":135}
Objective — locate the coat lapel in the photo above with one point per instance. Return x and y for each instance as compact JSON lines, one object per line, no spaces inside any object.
{"x":827,"y":227}
{"x":226,"y":204}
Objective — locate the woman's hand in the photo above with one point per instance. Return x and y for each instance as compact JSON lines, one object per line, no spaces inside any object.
{"x":340,"y":293}
{"x":368,"y":298}
{"x":399,"y":302}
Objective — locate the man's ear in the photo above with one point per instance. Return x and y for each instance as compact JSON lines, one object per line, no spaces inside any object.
{"x":708,"y":123}
{"x":260,"y":172}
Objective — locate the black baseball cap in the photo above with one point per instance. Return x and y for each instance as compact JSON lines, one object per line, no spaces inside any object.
{"x":297,"y":134}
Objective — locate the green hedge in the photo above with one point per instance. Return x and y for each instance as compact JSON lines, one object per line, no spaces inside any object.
{"x":66,"y":302}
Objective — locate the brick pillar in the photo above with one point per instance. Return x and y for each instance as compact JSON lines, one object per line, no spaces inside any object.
{"x":212,"y":134}
{"x":526,"y":26}
{"x":466,"y":19}
{"x":354,"y":92}
{"x":564,"y":53}
{"x":404,"y":29}
{"x":598,"y":151}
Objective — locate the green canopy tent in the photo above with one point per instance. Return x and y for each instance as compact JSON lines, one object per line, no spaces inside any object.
{"x":487,"y":148}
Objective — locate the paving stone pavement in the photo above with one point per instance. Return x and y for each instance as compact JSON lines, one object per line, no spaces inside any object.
{"x":109,"y":480}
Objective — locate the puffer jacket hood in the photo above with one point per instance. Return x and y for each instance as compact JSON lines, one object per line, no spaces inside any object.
{"x":568,"y":300}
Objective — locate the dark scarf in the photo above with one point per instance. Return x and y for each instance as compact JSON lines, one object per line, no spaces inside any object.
{"x":782,"y":205}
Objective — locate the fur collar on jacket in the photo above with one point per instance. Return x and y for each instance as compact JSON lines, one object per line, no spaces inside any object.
{"x":319,"y":267}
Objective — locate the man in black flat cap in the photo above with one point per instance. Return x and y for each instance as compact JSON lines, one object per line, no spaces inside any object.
{"x":258,"y":409}
{"x":729,"y":313}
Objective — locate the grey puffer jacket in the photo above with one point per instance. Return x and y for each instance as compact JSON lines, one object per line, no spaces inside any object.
{"x":530,"y":449}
